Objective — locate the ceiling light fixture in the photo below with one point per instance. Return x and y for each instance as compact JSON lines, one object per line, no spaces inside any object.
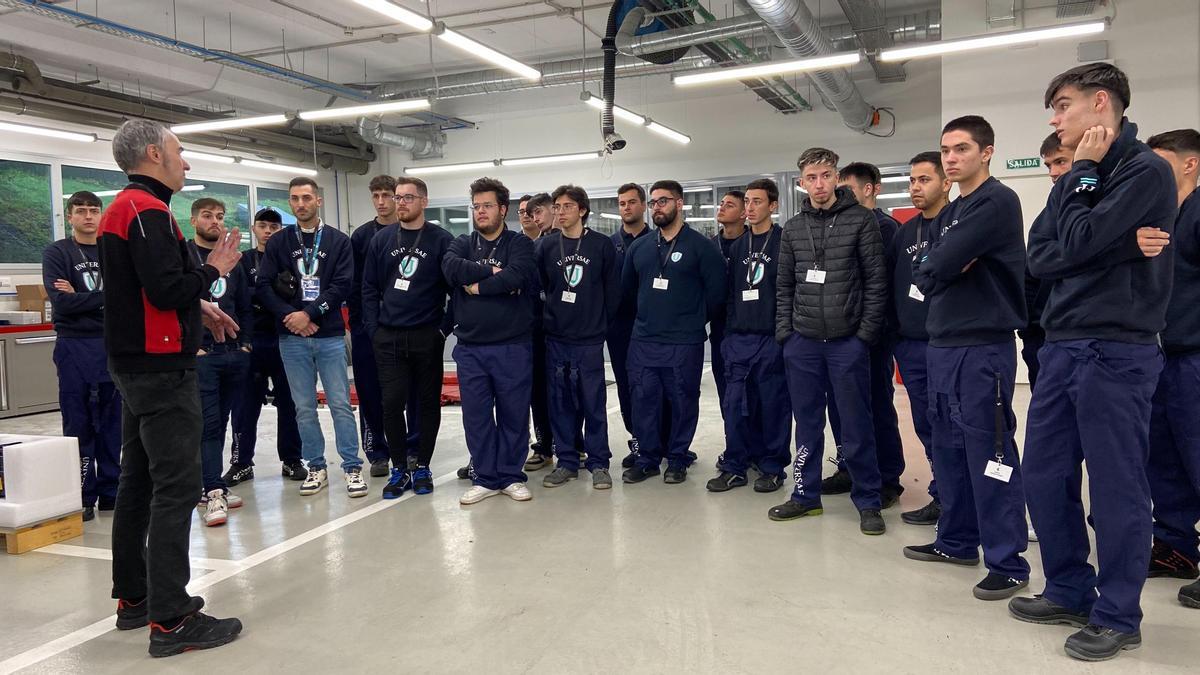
{"x":50,"y":133}
{"x":895,"y":179}
{"x":448,"y":168}
{"x":640,"y":120}
{"x":400,"y":14}
{"x":271,"y":166}
{"x":206,"y":157}
{"x":550,"y":159}
{"x":1015,"y":37}
{"x":768,"y":69}
{"x":894,"y":195}
{"x":235,"y":123}
{"x":482,"y":51}
{"x":610,"y":216}
{"x":369,"y":109}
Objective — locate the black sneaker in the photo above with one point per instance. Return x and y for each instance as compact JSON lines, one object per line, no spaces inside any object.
{"x":1189,"y":596}
{"x":107,"y":504}
{"x":422,"y":480}
{"x":870,"y":521}
{"x":767,"y":483}
{"x":464,"y":473}
{"x":631,"y":458}
{"x":1040,"y":610}
{"x":931,"y":553}
{"x":399,"y":483}
{"x":837,"y":484}
{"x":537,"y":461}
{"x":89,"y":513}
{"x":725,"y":482}
{"x":926,"y":515}
{"x":294,"y":470}
{"x":998,"y":587}
{"x":381,"y":468}
{"x":195,"y":631}
{"x":638,"y":474}
{"x":792,"y":509}
{"x":889,"y":496}
{"x":1097,"y":643}
{"x":239,"y":473}
{"x":1165,"y":561}
{"x":131,"y":616}
{"x":675,"y":474}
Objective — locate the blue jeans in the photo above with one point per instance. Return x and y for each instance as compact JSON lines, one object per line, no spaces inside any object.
{"x":303,"y":360}
{"x":222,"y":375}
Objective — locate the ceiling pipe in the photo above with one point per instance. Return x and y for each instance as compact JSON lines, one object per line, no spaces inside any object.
{"x":630,"y":44}
{"x":421,"y":145}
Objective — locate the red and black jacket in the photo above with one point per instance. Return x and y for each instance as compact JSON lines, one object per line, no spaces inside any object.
{"x":152,"y":286}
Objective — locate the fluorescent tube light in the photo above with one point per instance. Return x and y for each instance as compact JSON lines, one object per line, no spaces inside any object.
{"x":359,"y":110}
{"x":205,"y":157}
{"x":482,"y":51}
{"x":995,"y":40}
{"x":50,"y":133}
{"x":550,"y":159}
{"x":768,"y":69}
{"x":193,"y":188}
{"x":610,"y":216}
{"x":663,"y":130}
{"x":894,"y":195}
{"x":618,"y":112}
{"x":394,"y":11}
{"x":236,"y":123}
{"x":448,"y":168}
{"x":271,"y":166}
{"x":895,"y":179}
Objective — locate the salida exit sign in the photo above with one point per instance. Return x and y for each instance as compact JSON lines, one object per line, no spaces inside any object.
{"x":1023,"y":163}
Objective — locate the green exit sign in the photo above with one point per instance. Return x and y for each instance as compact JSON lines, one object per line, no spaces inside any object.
{"x":1024,"y":163}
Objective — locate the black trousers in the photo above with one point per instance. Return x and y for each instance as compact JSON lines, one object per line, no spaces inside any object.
{"x":160,"y":482}
{"x":410,"y":364}
{"x":539,"y":404}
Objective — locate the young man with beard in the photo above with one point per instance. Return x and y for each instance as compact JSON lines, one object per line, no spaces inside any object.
{"x":577,"y":268}
{"x":493,"y":279}
{"x":221,"y":367}
{"x":678,"y":280}
{"x":266,"y":377}
{"x":756,"y":408}
{"x":831,"y":300}
{"x":87,"y":397}
{"x":1100,"y":365}
{"x":731,"y":219}
{"x":404,"y":313}
{"x":929,"y":190}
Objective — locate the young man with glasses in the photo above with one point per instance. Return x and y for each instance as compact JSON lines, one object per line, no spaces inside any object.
{"x":525,"y":217}
{"x":493,"y":279}
{"x":677,"y":279}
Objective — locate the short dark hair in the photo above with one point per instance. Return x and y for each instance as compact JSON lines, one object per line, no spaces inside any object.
{"x":299,"y":181}
{"x":767,"y":185}
{"x":268,"y":215}
{"x":669,"y":185}
{"x":632,"y":186}
{"x":207,"y":203}
{"x":1183,"y":141}
{"x":524,"y":198}
{"x":867,"y":173}
{"x":1091,"y":77}
{"x":538,"y":200}
{"x":487,"y":184}
{"x":976,"y":127}
{"x":575,"y":194}
{"x":1050,"y":145}
{"x":817,"y":156}
{"x":382,"y":182}
{"x":83,"y":198}
{"x":736,"y":194}
{"x":930,"y":156}
{"x":422,"y":189}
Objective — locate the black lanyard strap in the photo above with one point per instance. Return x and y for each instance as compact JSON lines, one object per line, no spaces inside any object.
{"x":562,"y":253}
{"x":309,"y":255}
{"x":88,"y":273}
{"x":662,"y":266}
{"x":756,"y":261}
{"x":479,"y":245}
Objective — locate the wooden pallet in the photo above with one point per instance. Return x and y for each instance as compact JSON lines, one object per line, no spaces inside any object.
{"x":52,"y":531}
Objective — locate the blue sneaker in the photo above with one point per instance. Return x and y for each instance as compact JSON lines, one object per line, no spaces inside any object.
{"x":422,"y":480}
{"x":398,"y":484}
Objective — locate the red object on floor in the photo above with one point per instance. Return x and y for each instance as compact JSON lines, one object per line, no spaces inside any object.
{"x":450,"y":392}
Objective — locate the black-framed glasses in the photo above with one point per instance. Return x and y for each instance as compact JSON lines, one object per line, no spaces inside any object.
{"x":407,"y":199}
{"x":660,"y":202}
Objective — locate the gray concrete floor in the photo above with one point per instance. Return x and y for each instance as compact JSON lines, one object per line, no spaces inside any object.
{"x":648,"y":578}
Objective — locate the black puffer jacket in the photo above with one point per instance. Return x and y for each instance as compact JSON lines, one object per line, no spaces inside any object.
{"x":853,"y":299}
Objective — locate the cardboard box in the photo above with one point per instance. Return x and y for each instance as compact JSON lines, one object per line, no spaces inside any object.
{"x":32,"y":298}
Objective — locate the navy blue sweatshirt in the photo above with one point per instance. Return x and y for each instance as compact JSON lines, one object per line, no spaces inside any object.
{"x":334,"y":265}
{"x":986,"y":303}
{"x":1085,"y":244}
{"x":502,"y":313}
{"x":717,"y":318}
{"x":695,"y":274}
{"x":1182,"y":334}
{"x":622,"y":240}
{"x":402,"y":282}
{"x":903,"y":255}
{"x":360,"y":241}
{"x":753,"y":312}
{"x":888,"y":227}
{"x":78,"y":314}
{"x":586,"y":269}
{"x":232,"y":294}
{"x":264,"y":320}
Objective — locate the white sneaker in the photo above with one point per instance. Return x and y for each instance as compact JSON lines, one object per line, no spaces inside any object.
{"x":476,"y":494}
{"x":216,"y":510}
{"x":356,"y":485}
{"x":315,"y":482}
{"x":518,"y":491}
{"x":234,"y":501}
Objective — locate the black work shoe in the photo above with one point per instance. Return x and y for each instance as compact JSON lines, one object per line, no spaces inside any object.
{"x":998,"y":587}
{"x":767,"y":483}
{"x":464,"y":473}
{"x":931,"y":553}
{"x":381,"y":468}
{"x":131,"y":616}
{"x":537,"y":461}
{"x":889,"y":496}
{"x":195,"y":631}
{"x":238,"y":473}
{"x":1097,"y":643}
{"x":294,"y":470}
{"x":1189,"y":596}
{"x":1165,"y":561}
{"x":107,"y":504}
{"x":870,"y":521}
{"x":629,"y":460}
{"x":89,"y":513}
{"x":638,"y":474}
{"x":792,"y":509}
{"x":725,"y":482}
{"x":926,"y":515}
{"x":1040,"y":610}
{"x":837,"y":484}
{"x":675,"y":474}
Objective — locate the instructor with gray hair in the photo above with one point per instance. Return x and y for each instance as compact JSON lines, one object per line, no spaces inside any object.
{"x":152,"y":330}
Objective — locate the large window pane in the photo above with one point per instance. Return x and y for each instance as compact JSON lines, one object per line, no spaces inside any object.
{"x":26,"y":211}
{"x":276,"y":199}
{"x":456,"y":219}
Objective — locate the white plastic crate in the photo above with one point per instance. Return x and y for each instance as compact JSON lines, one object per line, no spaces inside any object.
{"x":41,"y":479}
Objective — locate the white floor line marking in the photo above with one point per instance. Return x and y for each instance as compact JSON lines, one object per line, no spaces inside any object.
{"x":103,"y":626}
{"x":106,"y":554}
